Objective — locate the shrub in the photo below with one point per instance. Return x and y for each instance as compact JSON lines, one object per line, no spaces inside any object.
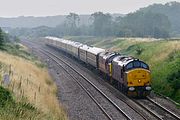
{"x":139,"y":50}
{"x":5,"y":97}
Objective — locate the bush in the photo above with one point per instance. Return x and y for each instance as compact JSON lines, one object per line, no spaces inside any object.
{"x":15,"y":110}
{"x":174,"y":77}
{"x":139,"y":50}
{"x":5,"y":97}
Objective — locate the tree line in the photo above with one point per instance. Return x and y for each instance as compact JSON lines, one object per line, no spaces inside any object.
{"x":6,"y":38}
{"x":137,"y":24}
{"x":3,"y":38}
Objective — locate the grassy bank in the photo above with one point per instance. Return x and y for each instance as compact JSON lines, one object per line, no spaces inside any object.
{"x":31,"y":92}
{"x":163,"y":57}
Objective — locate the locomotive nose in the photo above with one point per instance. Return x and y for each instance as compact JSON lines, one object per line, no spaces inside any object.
{"x":138,"y":77}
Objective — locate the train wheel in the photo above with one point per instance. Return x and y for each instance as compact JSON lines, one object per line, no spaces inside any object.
{"x":111,"y":81}
{"x":140,"y":94}
{"x":124,"y":89}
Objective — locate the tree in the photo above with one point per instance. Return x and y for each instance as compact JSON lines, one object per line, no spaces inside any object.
{"x":1,"y":38}
{"x":72,"y":23}
{"x":174,"y":76}
{"x":144,"y":24}
{"x":102,"y":24}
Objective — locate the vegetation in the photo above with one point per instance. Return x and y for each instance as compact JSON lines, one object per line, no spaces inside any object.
{"x":157,"y":20}
{"x":171,"y":10}
{"x":1,"y":38}
{"x":144,"y":24}
{"x":23,"y":94}
{"x":28,"y":88}
{"x":9,"y":109}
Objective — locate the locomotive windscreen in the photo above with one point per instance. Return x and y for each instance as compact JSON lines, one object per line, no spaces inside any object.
{"x":136,"y":64}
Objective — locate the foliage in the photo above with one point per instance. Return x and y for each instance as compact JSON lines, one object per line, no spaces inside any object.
{"x":1,"y":38}
{"x":5,"y":97}
{"x":10,"y":109}
{"x":138,"y":24}
{"x":145,"y":24}
{"x":157,"y":20}
{"x":139,"y":50}
{"x":73,"y":19}
{"x":174,"y":77}
{"x":16,"y":49}
{"x":101,"y":24}
{"x":171,"y":10}
{"x":168,"y":78}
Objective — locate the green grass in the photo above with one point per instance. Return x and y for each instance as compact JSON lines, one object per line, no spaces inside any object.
{"x":164,"y":61}
{"x":18,"y":50}
{"x":9,"y":109}
{"x":163,"y":57}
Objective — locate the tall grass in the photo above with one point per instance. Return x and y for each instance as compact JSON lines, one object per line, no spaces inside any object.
{"x":32,"y":89}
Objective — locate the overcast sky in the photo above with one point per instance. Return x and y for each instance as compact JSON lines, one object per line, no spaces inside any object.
{"x":12,"y":8}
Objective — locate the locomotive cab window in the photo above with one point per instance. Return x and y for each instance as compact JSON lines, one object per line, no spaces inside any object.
{"x":136,"y":64}
{"x":145,"y":66}
{"x":129,"y":66}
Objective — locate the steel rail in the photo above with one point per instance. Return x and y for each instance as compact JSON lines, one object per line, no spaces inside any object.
{"x":162,"y":107}
{"x":88,"y":93}
{"x":147,"y":109}
{"x":112,"y":102}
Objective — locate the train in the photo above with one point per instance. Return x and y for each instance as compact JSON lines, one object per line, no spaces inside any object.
{"x":130,"y":75}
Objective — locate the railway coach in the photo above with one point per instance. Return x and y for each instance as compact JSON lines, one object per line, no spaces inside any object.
{"x":93,"y":56}
{"x":83,"y":53}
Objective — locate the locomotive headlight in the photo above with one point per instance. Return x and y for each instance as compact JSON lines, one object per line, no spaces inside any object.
{"x":148,"y":88}
{"x":131,"y":88}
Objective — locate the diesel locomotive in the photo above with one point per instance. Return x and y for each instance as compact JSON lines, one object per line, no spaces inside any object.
{"x":128,"y":74}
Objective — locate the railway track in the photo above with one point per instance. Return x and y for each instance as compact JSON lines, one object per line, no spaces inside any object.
{"x":158,"y":114}
{"x":95,"y":99}
{"x":156,"y":109}
{"x":162,"y":107}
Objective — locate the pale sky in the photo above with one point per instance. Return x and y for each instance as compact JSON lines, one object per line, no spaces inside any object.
{"x":13,"y":8}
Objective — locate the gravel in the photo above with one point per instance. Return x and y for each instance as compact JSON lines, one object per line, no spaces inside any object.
{"x":166,"y":103}
{"x":75,"y":101}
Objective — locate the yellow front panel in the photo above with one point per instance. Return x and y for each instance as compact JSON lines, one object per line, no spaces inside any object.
{"x":110,"y":69}
{"x":138,"y":77}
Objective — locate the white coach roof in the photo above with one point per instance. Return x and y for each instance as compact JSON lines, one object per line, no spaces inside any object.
{"x":60,"y":40}
{"x":85,"y":47}
{"x":95,"y":50}
{"x":54,"y":38}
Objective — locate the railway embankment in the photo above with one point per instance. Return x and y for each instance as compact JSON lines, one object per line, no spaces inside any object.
{"x":163,"y":56}
{"x":26,"y":89}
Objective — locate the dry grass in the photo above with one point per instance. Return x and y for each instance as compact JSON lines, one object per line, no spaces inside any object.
{"x":32,"y":84}
{"x":167,"y":48}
